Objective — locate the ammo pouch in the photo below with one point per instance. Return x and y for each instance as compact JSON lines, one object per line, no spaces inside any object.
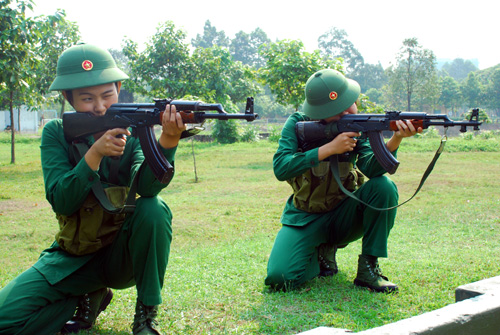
{"x":316,"y":190}
{"x":101,"y":215}
{"x":91,"y":227}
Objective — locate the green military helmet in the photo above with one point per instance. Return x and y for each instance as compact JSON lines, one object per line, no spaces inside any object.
{"x":85,"y":65}
{"x":329,"y":93}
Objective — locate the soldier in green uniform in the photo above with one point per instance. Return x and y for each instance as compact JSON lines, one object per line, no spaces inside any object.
{"x":318,"y":218}
{"x":64,"y":291}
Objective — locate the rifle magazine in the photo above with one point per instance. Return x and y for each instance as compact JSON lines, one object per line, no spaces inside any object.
{"x":161,"y":168}
{"x":383,"y":155}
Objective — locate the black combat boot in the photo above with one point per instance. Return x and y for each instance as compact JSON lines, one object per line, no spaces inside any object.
{"x":89,"y":307}
{"x":144,"y":319}
{"x":327,"y":262}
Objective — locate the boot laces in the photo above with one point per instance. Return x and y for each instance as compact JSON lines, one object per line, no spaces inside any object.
{"x":327,"y":259}
{"x":145,"y":317}
{"x":323,"y":262}
{"x":83,"y":310}
{"x":375,"y":270}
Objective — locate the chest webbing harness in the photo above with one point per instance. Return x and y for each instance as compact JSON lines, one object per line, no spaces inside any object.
{"x":80,"y":148}
{"x":334,"y":165}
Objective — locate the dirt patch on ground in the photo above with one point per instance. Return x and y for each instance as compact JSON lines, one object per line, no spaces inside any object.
{"x":9,"y":206}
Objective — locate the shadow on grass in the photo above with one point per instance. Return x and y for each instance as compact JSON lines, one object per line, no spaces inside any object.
{"x":323,"y":302}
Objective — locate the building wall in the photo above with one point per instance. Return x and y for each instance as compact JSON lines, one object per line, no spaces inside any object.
{"x":30,"y":120}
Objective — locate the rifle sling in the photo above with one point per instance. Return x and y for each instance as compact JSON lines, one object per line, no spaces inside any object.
{"x":334,"y":166}
{"x":98,"y":189}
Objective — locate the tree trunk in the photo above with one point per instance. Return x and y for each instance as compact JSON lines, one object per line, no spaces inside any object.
{"x":409,"y":102}
{"x":12,"y":131}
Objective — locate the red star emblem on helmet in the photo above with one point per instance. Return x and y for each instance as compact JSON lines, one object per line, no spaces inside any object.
{"x":333,"y":95}
{"x":87,"y":65}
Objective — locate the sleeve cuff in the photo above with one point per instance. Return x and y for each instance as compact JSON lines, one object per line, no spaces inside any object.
{"x":395,"y":153}
{"x":312,"y":157}
{"x":85,"y":173}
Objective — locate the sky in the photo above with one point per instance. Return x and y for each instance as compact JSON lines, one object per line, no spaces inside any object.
{"x":450,"y":28}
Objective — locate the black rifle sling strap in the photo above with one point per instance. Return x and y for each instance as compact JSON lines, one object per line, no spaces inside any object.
{"x":98,"y":189}
{"x":334,"y":166}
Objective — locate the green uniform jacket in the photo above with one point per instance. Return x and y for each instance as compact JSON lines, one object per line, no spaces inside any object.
{"x":288,"y":162}
{"x":66,"y":188}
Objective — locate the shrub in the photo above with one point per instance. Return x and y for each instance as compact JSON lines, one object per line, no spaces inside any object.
{"x":274,"y":134}
{"x":249,"y":133}
{"x":467,"y":136}
{"x":431,"y":132}
{"x":486,"y":134}
{"x":225,"y":132}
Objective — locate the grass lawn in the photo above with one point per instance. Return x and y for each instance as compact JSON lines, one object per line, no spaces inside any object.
{"x":224,"y":227}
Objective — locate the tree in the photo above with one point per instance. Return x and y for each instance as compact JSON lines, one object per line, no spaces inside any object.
{"x":59,"y":35}
{"x":218,"y":79}
{"x":483,"y":116}
{"x":472,"y":90}
{"x":414,"y":76}
{"x":122,"y":63}
{"x":369,"y":76}
{"x":368,"y":106}
{"x":450,"y":93}
{"x":459,"y":68}
{"x":245,"y":47}
{"x":288,"y":67}
{"x":211,"y":37}
{"x":334,"y":44}
{"x":15,"y":55}
{"x":267,"y":107}
{"x":162,"y":69}
{"x":19,"y":40}
{"x":375,"y":95}
{"x":165,"y":69}
{"x":493,"y":92}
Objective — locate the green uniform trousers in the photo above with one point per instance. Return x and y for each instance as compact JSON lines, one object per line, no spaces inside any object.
{"x":294,"y":256}
{"x":138,"y":256}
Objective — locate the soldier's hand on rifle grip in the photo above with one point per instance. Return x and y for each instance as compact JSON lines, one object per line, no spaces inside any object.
{"x":111,"y":143}
{"x":342,"y":143}
{"x":172,"y":127}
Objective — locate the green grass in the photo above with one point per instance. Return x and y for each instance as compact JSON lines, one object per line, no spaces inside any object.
{"x":225,"y":224}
